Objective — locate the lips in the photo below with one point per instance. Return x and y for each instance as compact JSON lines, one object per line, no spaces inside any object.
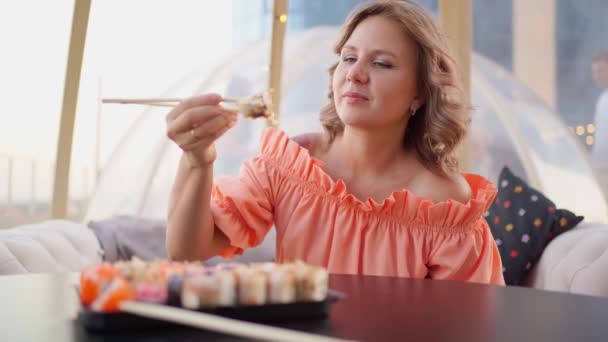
{"x":352,"y":95}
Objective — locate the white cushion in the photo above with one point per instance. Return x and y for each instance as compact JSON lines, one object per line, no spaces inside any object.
{"x":49,"y":246}
{"x":575,"y":261}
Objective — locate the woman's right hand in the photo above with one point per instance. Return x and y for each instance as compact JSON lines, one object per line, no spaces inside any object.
{"x":196,"y":123}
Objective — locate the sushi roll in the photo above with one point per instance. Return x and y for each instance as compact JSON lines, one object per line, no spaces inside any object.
{"x":152,"y":272}
{"x":131,"y":270}
{"x":255,"y":106}
{"x":226,"y":282}
{"x":167,"y":269}
{"x":174,"y":289}
{"x":311,"y":282}
{"x":314,"y":286}
{"x":152,"y":292}
{"x":117,"y":291}
{"x":209,"y":290}
{"x":228,"y":265}
{"x":93,"y":280}
{"x":281,"y":282}
{"x":281,"y":286}
{"x":265,"y":266}
{"x":190,"y":293}
{"x":252,"y":285}
{"x":194,"y":269}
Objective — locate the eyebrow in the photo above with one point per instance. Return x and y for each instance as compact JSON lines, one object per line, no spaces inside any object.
{"x":375,"y":52}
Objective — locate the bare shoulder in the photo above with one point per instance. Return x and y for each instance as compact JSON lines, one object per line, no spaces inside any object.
{"x":439,"y":188}
{"x":310,"y":141}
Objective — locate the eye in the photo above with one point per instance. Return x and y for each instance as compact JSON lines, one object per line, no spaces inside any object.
{"x":382,"y":64}
{"x":349,"y":59}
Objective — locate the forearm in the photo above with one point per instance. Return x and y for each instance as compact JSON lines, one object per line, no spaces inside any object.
{"x":191,"y":232}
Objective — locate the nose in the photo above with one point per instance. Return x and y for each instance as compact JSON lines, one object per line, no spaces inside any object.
{"x":357,"y":73}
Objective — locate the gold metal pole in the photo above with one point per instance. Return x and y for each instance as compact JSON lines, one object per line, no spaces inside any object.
{"x":9,"y":183}
{"x":456,"y":21}
{"x":98,"y":133}
{"x":68,"y":108}
{"x":534,"y":46}
{"x":279,"y":22}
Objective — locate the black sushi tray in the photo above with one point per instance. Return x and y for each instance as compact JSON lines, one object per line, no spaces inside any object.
{"x":270,"y":313}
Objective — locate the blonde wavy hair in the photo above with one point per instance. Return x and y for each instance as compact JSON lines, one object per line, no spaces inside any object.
{"x":442,"y":121}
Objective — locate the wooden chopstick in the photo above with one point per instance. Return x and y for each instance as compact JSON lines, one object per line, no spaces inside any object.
{"x":161,"y":102}
{"x":158,"y":104}
{"x":221,"y":324}
{"x":145,"y":100}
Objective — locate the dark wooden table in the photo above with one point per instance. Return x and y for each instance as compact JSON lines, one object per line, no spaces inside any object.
{"x":43,"y":308}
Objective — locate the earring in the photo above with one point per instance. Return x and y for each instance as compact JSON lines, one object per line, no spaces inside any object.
{"x":413,"y":112}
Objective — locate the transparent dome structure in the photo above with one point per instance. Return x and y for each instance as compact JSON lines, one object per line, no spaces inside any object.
{"x":511,"y":126}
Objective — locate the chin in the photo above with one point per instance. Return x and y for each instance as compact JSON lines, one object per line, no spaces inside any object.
{"x":362,"y":118}
{"x":362,"y":123}
{"x":356,"y":118}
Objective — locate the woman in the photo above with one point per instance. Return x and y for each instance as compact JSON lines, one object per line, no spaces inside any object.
{"x":377,"y":193}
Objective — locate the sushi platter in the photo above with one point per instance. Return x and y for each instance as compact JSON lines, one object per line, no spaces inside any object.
{"x":257,"y":292}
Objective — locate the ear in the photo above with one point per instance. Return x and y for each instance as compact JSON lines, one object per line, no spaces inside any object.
{"x":416,"y":104}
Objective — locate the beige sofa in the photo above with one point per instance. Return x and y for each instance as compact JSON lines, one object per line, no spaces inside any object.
{"x":50,"y":246}
{"x":576,"y":261}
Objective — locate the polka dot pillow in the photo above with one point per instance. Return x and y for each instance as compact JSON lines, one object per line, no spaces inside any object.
{"x":523,"y":221}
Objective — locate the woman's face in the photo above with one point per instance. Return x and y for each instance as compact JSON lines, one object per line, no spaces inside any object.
{"x":375,"y":82}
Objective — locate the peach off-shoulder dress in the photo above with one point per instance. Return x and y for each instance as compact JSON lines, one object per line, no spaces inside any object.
{"x":319,"y":222}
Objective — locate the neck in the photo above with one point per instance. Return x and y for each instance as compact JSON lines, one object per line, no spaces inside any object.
{"x":369,"y":152}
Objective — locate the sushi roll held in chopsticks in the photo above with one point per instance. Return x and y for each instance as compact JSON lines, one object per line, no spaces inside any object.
{"x":252,"y":107}
{"x":255,"y":106}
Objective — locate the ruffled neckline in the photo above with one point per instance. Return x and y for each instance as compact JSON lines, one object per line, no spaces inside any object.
{"x":401,"y":204}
